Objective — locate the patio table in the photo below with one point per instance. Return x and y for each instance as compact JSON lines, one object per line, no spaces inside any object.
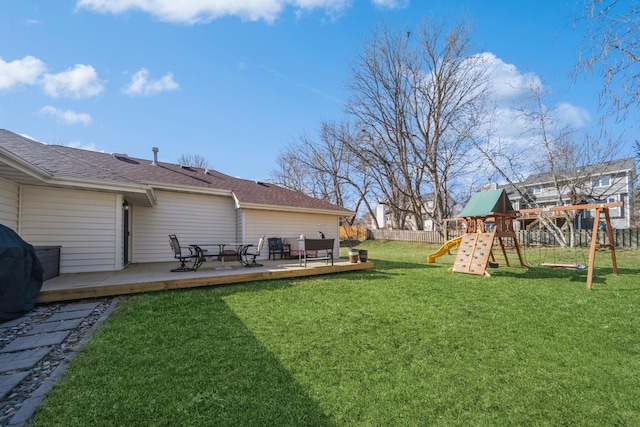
{"x":239,"y":247}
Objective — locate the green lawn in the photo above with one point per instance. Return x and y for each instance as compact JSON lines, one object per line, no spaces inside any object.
{"x":405,"y":344}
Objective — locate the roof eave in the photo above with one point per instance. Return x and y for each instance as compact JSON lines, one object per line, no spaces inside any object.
{"x":141,"y":195}
{"x":189,"y":189}
{"x":296,"y":209}
{"x":23,"y":167}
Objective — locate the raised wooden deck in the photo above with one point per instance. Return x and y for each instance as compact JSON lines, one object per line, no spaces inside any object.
{"x":149,"y":277}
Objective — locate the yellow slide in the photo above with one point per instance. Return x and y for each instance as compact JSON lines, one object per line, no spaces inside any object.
{"x":444,"y":249}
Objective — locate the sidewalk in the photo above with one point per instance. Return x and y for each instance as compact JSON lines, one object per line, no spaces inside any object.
{"x":35,"y":349}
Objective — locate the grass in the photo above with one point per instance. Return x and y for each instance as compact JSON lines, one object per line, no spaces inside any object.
{"x":408,"y":343}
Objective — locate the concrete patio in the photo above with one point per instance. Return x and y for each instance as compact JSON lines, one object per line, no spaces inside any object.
{"x":147,"y":277}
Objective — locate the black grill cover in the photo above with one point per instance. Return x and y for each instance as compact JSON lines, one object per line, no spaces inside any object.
{"x":20,"y":275}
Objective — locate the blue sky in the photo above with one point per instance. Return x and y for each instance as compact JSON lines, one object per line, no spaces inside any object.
{"x":236,"y":80}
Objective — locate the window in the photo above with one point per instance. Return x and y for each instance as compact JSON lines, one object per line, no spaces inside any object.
{"x":602,"y":181}
{"x":536,"y":189}
{"x":614,"y":212}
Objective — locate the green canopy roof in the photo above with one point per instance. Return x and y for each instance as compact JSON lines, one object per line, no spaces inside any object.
{"x":487,"y":203}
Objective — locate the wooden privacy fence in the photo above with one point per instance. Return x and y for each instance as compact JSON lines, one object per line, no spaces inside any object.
{"x":351,"y":232}
{"x":622,"y":238}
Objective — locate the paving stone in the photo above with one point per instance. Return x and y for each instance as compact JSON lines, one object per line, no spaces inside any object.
{"x":20,"y":400}
{"x":25,"y":412}
{"x":30,"y":405}
{"x":34,"y":341}
{"x":22,"y":359}
{"x":66,"y":315}
{"x":9,"y":381}
{"x":15,"y":322}
{"x":63,"y":325}
{"x":80,"y":306}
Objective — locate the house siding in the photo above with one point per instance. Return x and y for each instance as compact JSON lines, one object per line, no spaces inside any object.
{"x":289,"y":225}
{"x":9,"y":203}
{"x":192,"y":218}
{"x":239,"y":225}
{"x":83,"y":223}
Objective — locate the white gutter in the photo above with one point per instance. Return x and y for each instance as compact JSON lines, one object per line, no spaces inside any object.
{"x":296,"y":209}
{"x":189,"y":189}
{"x":85,"y":184}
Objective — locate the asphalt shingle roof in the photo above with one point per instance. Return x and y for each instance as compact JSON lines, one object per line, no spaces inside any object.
{"x":72,"y":163}
{"x":587,"y":170}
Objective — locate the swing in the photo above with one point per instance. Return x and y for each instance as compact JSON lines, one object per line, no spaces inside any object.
{"x":564,"y":265}
{"x":569,"y":265}
{"x":600,"y":209}
{"x":573,"y":265}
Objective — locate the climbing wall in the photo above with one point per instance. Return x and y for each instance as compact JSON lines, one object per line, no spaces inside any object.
{"x":474,"y":253}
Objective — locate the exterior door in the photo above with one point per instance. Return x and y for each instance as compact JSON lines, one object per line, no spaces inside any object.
{"x":126,"y":208}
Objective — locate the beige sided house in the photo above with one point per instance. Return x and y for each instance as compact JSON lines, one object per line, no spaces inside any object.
{"x":107,"y":210}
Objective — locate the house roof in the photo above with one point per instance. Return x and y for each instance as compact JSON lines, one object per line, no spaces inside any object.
{"x":618,"y":165}
{"x":30,"y":162}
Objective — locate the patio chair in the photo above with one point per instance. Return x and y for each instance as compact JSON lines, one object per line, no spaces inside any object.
{"x":182,"y":255}
{"x":252,"y":252}
{"x":277,"y":246}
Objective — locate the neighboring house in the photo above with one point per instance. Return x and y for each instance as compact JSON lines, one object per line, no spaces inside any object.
{"x":428,"y":206}
{"x":602,"y":183}
{"x":106,"y":210}
{"x":385,"y":216}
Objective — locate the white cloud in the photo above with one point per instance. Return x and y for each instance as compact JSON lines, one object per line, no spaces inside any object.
{"x":507,"y":82}
{"x":79,"y":82}
{"x":29,"y":136}
{"x":510,"y":123}
{"x":203,"y":11}
{"x":67,"y":117}
{"x":512,"y":92}
{"x":140,"y":84}
{"x":391,"y":4}
{"x":20,"y":71}
{"x":78,"y":144}
{"x":567,"y":114}
{"x":511,"y":128}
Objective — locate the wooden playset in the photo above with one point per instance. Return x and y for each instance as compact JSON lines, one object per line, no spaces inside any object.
{"x":489,"y":216}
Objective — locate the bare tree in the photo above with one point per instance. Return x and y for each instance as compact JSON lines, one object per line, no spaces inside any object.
{"x":193,"y":160}
{"x":324,"y":168}
{"x":566,"y":160}
{"x":419,"y":100}
{"x":612,"y":49}
{"x":353,"y":176}
{"x":291,"y":172}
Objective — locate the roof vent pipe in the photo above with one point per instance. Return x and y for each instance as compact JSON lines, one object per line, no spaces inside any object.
{"x":155,"y":156}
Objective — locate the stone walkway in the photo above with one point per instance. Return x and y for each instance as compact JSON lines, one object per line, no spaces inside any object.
{"x":35,"y":349}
